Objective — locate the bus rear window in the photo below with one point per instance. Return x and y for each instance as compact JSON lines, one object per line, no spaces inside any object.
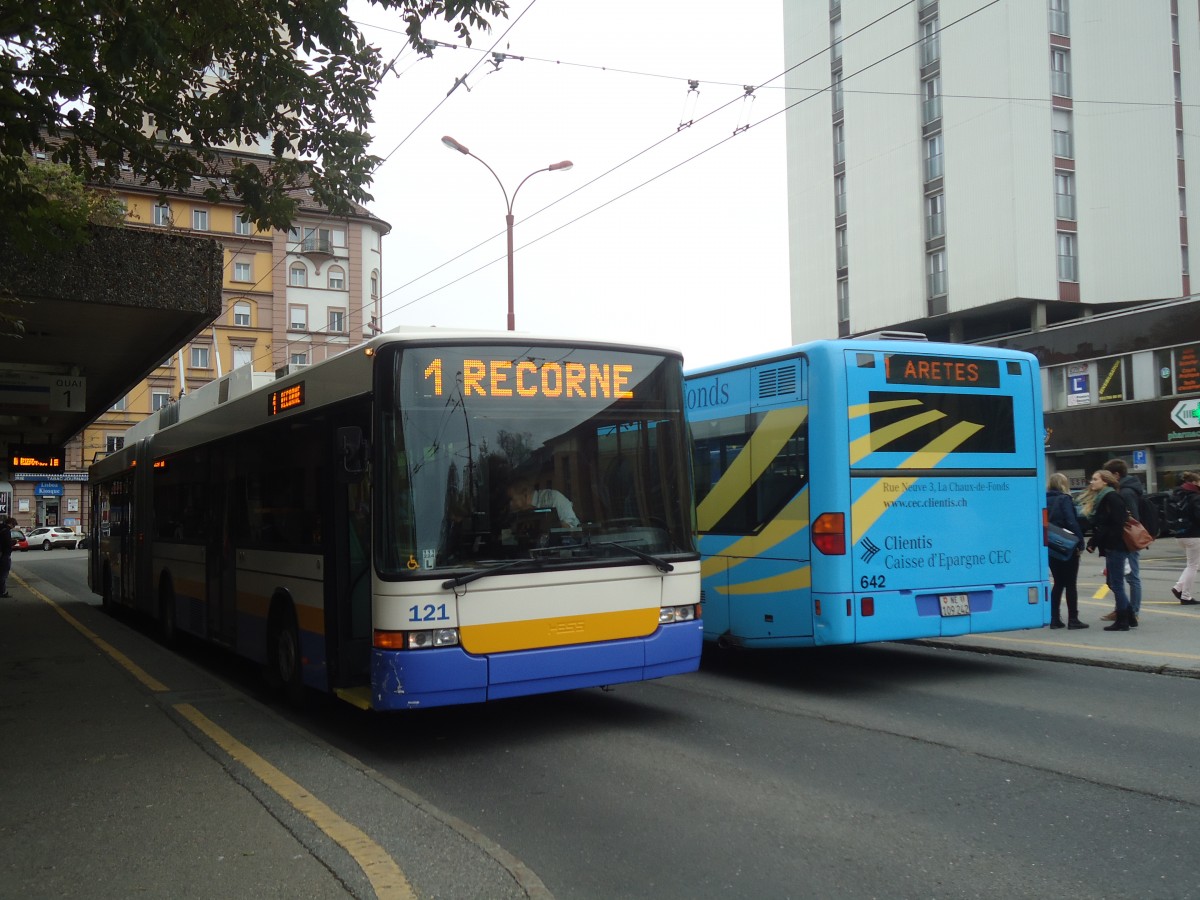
{"x":955,"y":423}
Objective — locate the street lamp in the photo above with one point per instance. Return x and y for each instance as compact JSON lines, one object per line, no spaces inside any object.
{"x":508,"y":218}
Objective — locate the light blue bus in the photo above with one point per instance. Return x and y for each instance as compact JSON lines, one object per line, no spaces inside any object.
{"x":852,"y":491}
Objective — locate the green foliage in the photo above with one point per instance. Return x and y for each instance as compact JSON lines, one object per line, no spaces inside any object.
{"x":78,"y":80}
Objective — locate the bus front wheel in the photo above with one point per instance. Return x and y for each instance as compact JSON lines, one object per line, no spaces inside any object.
{"x":283,"y":655}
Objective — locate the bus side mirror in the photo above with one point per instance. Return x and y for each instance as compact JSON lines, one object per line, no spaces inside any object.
{"x":353,"y":453}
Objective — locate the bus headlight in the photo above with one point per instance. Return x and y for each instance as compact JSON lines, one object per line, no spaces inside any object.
{"x":436,"y":637}
{"x":667,"y":614}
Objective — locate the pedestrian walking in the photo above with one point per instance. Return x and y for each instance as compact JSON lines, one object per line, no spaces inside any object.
{"x":1108,"y":536}
{"x":1183,"y":517}
{"x":1060,"y":510}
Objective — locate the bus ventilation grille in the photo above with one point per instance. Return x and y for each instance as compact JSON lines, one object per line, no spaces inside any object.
{"x":778,"y":382}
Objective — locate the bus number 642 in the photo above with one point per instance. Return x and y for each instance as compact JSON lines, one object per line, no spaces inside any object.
{"x":873,"y":582}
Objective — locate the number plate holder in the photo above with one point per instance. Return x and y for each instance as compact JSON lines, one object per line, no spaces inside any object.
{"x":954,"y":604}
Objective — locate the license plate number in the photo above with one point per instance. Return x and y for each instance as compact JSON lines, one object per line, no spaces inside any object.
{"x":954,"y":604}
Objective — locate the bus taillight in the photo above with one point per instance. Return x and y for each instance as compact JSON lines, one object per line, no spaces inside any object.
{"x":829,"y":533}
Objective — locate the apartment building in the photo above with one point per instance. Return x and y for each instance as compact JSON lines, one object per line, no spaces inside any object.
{"x":980,"y":170}
{"x":289,"y":298}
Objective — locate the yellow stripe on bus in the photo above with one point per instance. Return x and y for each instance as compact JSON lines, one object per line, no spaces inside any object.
{"x":871,"y":505}
{"x":764,"y":445}
{"x":878,"y":439}
{"x":792,"y":519}
{"x":558,"y":631}
{"x":797,"y":579}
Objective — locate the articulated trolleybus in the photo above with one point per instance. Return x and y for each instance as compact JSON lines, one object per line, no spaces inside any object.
{"x":432,"y":518}
{"x":867,"y":490}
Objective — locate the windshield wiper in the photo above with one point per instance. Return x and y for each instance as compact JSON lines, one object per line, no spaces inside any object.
{"x":658,"y":562}
{"x":476,"y":574}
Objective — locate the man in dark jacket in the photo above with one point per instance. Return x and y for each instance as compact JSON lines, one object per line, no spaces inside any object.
{"x":1131,"y":492}
{"x":6,"y":548}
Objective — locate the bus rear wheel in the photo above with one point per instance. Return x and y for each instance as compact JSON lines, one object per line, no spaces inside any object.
{"x":283,"y":669}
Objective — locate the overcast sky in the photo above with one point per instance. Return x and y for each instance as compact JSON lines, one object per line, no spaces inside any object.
{"x":695,"y":259}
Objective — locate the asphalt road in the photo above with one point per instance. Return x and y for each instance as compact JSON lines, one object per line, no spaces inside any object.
{"x":876,"y":771}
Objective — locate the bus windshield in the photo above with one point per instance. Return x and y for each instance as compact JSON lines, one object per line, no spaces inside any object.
{"x":496,"y":454}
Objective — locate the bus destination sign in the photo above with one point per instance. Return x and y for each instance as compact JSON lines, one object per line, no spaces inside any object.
{"x":941,"y":371}
{"x":503,"y":378}
{"x":32,"y":458}
{"x":286,"y":398}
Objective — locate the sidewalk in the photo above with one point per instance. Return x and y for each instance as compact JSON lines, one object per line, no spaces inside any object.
{"x":1167,"y":640}
{"x":126,"y":770}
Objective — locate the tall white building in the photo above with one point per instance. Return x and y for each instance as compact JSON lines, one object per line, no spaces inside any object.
{"x":970,"y":168}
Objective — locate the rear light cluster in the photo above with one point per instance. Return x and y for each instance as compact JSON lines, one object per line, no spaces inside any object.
{"x":829,"y":533}
{"x":416,"y":640}
{"x":668,"y":614}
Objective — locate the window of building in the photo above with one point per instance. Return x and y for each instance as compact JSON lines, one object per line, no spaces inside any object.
{"x":839,"y":195}
{"x":299,"y":359}
{"x":241,"y":271}
{"x":1068,"y":265}
{"x":933,"y":157}
{"x":1182,"y":202}
{"x":935,"y":216}
{"x":113,"y":442}
{"x":298,"y":276}
{"x":374,"y":285}
{"x":242,"y":356}
{"x":162,"y":214}
{"x":199,"y":358}
{"x":839,"y":143}
{"x":839,"y":99}
{"x":936,"y":264}
{"x":1064,"y":142}
{"x":241,"y":313}
{"x":1060,"y":72}
{"x":843,"y":248}
{"x":121,"y":404}
{"x":199,"y":220}
{"x":1183,"y":252}
{"x":835,"y":38}
{"x":337,"y":278}
{"x":931,"y":107}
{"x":1114,"y":379}
{"x":1064,"y":195}
{"x":337,"y":321}
{"x":1178,"y":370}
{"x":159,"y":399}
{"x":843,"y":299}
{"x":1059,"y":22}
{"x":929,"y":42}
{"x":298,"y":318}
{"x":242,"y":226}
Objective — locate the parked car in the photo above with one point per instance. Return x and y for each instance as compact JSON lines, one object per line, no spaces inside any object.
{"x":19,"y":541}
{"x":50,"y":537}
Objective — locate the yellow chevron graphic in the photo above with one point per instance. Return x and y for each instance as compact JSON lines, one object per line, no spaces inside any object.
{"x":870,"y":506}
{"x":764,"y":445}
{"x":791,"y":520}
{"x":796,"y":580}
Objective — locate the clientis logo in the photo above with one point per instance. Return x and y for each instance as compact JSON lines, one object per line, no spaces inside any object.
{"x":703,"y":396}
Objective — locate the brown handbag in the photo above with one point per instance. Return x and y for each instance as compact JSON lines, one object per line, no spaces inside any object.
{"x":1136,"y":536}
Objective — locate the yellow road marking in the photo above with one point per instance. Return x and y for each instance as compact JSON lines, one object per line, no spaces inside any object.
{"x":1122,"y":650}
{"x":385,"y":876}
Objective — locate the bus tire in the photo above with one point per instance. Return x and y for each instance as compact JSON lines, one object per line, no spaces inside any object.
{"x":283,"y":671}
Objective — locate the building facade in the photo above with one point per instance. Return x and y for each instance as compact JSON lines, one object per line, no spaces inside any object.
{"x":1004,"y":173}
{"x":289,"y":298}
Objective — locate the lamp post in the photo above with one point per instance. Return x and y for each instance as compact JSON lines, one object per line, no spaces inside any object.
{"x":508,"y":218}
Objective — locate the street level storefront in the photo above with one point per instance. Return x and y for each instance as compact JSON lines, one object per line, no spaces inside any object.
{"x":42,"y":498}
{"x":1123,"y":384}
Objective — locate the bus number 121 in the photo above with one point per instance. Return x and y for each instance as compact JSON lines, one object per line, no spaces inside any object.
{"x":428,"y":613}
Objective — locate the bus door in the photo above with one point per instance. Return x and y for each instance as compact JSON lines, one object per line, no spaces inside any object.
{"x":348,"y":593}
{"x":220,"y":569}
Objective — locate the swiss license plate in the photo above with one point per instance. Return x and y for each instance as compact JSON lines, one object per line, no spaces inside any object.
{"x":954,"y":604}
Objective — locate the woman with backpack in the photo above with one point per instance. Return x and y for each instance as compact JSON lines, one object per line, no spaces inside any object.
{"x":1183,"y":517}
{"x":1108,"y":534}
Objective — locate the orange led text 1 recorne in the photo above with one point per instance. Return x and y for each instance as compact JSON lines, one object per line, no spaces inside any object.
{"x":525,"y":378}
